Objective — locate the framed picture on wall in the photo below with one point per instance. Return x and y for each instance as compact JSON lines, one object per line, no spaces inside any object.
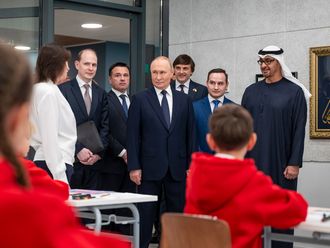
{"x":320,"y":90}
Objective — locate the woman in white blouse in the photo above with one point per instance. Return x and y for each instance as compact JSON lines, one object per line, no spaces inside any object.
{"x":55,"y":134}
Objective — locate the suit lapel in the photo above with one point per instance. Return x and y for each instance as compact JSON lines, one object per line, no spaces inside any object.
{"x":226,"y":100}
{"x":173,"y":85}
{"x":175,"y":110}
{"x":95,"y":98}
{"x":206,"y":106}
{"x":76,"y":92}
{"x":115,"y":101}
{"x":154,"y":102}
{"x":192,"y":88}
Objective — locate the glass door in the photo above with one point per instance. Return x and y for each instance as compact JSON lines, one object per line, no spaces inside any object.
{"x":19,"y":26}
{"x":111,"y":37}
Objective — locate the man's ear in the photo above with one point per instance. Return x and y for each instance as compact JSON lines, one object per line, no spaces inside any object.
{"x":252,"y":141}
{"x":210,"y":141}
{"x":76,"y":63}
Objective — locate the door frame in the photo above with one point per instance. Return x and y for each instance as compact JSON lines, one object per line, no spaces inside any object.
{"x":135,"y":14}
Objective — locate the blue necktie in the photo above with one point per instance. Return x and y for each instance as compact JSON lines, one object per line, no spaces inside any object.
{"x":216,"y":104}
{"x":123,"y":97}
{"x":165,"y":108}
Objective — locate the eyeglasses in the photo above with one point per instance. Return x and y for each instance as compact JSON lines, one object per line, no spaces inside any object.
{"x":266,"y":61}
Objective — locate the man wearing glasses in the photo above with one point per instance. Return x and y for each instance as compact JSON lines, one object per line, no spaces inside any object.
{"x":278,"y":107}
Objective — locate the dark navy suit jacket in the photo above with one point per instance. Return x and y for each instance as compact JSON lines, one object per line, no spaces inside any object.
{"x":202,"y":110}
{"x":117,"y":136}
{"x":152,"y":146}
{"x":196,"y":91}
{"x":98,"y":112}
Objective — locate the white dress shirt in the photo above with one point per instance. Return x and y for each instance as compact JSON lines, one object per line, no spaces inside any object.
{"x":54,"y":129}
{"x":185,"y":88}
{"x":224,"y":155}
{"x":118,"y":94}
{"x":81,"y":84}
{"x":169,"y":97}
{"x":212,"y":103}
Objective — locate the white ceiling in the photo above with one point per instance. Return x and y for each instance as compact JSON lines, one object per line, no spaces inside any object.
{"x":68,"y":23}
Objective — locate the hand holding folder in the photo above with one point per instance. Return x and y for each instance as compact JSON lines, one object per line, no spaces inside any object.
{"x":88,"y":135}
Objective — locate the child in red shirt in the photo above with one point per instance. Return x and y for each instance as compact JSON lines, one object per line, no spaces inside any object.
{"x":30,"y":216}
{"x":230,"y":187}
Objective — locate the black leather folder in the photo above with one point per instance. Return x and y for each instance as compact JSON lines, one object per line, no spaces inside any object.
{"x":88,"y":135}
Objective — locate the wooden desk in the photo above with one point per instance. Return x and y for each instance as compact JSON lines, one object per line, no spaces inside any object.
{"x":320,"y":230}
{"x":112,"y":200}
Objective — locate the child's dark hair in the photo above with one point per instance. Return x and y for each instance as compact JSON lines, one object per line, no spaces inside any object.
{"x":231,"y":127}
{"x":15,"y":90}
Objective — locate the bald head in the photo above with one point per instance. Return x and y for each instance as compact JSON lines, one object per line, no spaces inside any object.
{"x":164,"y":59}
{"x":161,"y":72}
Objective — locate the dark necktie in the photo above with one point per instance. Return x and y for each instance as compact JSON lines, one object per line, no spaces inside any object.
{"x":216,"y":104}
{"x":123,"y":98}
{"x":182,"y":87}
{"x":165,"y":108}
{"x":87,"y":98}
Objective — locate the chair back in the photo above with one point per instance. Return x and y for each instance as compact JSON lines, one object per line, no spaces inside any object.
{"x":194,"y":231}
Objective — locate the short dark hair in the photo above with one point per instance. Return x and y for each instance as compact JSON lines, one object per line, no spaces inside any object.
{"x":118,"y":64}
{"x":231,"y":127}
{"x":51,"y":61}
{"x":217,"y":70}
{"x":184,"y":59}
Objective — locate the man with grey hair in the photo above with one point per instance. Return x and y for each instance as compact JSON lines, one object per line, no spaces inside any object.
{"x":160,"y":135}
{"x":278,"y":107}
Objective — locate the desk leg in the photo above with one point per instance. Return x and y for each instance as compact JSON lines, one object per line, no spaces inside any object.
{"x":136,"y":225}
{"x":98,"y":219}
{"x":267,"y":240}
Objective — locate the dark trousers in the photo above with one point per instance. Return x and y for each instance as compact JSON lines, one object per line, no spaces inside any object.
{"x":281,"y":244}
{"x":84,"y":176}
{"x":42,"y":164}
{"x":291,"y":185}
{"x":119,"y":182}
{"x":174,"y":194}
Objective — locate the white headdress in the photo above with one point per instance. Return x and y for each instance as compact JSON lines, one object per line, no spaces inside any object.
{"x":277,"y":53}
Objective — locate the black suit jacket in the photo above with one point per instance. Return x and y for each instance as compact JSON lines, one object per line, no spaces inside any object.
{"x":117,"y":136}
{"x":98,"y":112}
{"x":152,"y":146}
{"x":196,"y":91}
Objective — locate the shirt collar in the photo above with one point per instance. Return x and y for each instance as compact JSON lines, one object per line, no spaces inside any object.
{"x":118,"y":93}
{"x":82,"y":82}
{"x":221,"y":99}
{"x":224,"y":155}
{"x":168,"y":90}
{"x":186,"y":84}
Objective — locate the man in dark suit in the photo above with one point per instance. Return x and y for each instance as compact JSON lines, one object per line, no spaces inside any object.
{"x":217,"y":85}
{"x":184,"y":67}
{"x":159,"y":144}
{"x":88,"y":102}
{"x":114,"y":174}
